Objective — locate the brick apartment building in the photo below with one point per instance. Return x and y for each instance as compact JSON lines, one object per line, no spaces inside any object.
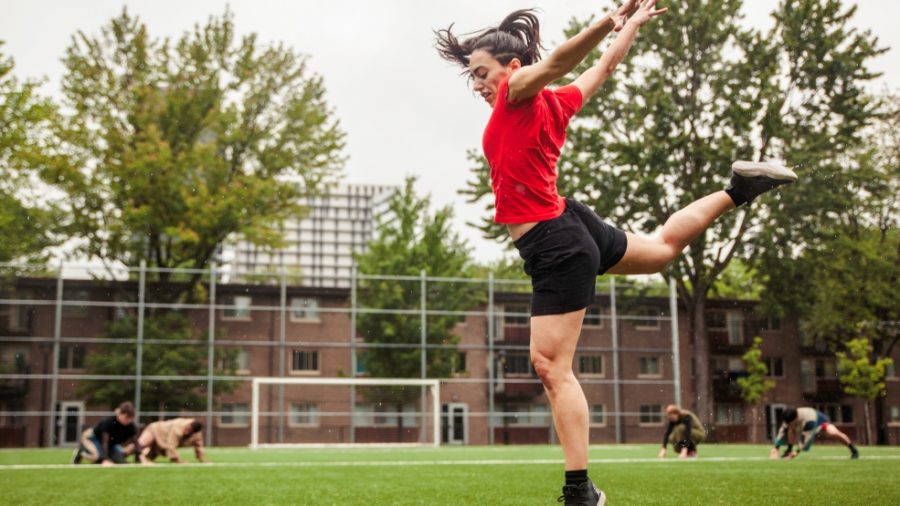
{"x":637,"y":373}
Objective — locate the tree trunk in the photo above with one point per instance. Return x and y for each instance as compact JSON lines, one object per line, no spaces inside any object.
{"x":753,"y":419}
{"x":880,"y":424}
{"x":399,"y":422}
{"x":868,"y":423}
{"x":702,"y":381}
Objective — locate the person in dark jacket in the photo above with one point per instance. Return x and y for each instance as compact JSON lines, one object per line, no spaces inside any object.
{"x":684,"y":432}
{"x":111,"y":440}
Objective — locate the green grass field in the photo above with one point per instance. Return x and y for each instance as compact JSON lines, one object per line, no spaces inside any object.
{"x":513,"y":475}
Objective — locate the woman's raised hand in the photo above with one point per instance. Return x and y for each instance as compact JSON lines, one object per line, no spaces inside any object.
{"x":645,"y":12}
{"x":623,"y":13}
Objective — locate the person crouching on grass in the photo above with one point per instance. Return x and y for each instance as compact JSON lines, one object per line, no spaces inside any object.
{"x":164,"y":438}
{"x":684,"y":432}
{"x":806,"y":424}
{"x":111,"y":440}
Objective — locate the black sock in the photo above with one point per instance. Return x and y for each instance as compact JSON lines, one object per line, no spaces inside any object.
{"x":852,"y":448}
{"x":576,"y":477}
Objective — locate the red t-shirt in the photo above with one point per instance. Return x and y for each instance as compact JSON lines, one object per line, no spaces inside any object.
{"x":522,"y":142}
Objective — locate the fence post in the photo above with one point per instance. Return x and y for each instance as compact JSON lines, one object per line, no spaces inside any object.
{"x":211,"y":357}
{"x":57,"y":335}
{"x":282,"y":336}
{"x":676,"y":360}
{"x":139,"y":355}
{"x":353,"y":357}
{"x":423,"y":345}
{"x":491,"y":330}
{"x":617,"y":405}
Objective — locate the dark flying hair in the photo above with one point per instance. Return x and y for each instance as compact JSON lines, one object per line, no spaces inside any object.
{"x":518,"y":36}
{"x":790,"y":414}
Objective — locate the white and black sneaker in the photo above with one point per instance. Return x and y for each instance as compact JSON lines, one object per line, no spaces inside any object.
{"x":751,"y":179}
{"x":76,"y":457}
{"x":586,"y":494}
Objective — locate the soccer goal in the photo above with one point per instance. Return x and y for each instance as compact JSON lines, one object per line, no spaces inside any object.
{"x":344,"y":412}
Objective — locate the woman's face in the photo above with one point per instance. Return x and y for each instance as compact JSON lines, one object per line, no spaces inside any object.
{"x":487,"y":74}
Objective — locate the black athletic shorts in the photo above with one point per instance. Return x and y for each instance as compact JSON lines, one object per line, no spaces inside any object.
{"x":565,"y":255}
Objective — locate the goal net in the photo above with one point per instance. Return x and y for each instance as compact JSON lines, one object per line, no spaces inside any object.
{"x":317,"y":412}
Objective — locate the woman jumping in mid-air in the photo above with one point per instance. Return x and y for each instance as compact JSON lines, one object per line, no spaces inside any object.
{"x":565,"y":245}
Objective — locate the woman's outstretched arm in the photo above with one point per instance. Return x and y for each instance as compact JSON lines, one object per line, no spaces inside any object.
{"x":591,"y":80}
{"x":530,"y":80}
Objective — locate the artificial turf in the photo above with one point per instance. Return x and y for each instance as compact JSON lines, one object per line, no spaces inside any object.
{"x":513,"y":475}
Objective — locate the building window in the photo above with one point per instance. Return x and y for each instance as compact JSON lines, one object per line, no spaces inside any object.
{"x":71,"y":299}
{"x":729,"y":414}
{"x":775,"y":365}
{"x":807,"y":376}
{"x":838,"y":413}
{"x":385,"y":415}
{"x":590,"y":365}
{"x":651,"y":414}
{"x":304,"y":309}
{"x":650,"y":367}
{"x":523,"y":415}
{"x":237,"y":307}
{"x":305,"y":362}
{"x":517,"y":364}
{"x":598,"y":415}
{"x":894,"y":415}
{"x":826,"y":368}
{"x":593,"y":317}
{"x":234,"y":414}
{"x":770,"y":323}
{"x":516,"y":315}
{"x":731,"y":322}
{"x":304,"y":415}
{"x":890,"y":371}
{"x":19,"y":316}
{"x":242,"y":362}
{"x":459,"y":363}
{"x":71,"y":356}
{"x":648,"y":319}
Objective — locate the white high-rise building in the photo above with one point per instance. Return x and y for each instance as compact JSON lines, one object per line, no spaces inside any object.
{"x":319,"y":246}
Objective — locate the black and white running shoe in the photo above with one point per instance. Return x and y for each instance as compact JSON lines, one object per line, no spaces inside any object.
{"x":751,"y":179}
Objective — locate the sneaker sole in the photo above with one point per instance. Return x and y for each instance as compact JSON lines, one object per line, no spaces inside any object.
{"x":602,"y":500}
{"x":764,"y":169}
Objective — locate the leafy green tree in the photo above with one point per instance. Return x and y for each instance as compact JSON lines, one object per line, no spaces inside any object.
{"x":860,"y":377}
{"x":24,"y":119}
{"x":411,"y":240}
{"x":845,"y":283}
{"x":701,"y":90}
{"x":166,"y":355}
{"x":755,"y":384}
{"x":172,"y":146}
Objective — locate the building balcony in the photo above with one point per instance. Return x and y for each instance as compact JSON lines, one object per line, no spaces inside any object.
{"x":826,"y":389}
{"x":818,"y":347}
{"x":514,"y":335}
{"x":720,"y":341}
{"x":13,"y":388}
{"x":725,"y":387}
{"x":518,"y":389}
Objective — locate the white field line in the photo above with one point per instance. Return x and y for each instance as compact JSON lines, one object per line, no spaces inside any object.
{"x":489,"y":462}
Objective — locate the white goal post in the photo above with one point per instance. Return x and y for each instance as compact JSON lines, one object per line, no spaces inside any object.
{"x":433,"y":385}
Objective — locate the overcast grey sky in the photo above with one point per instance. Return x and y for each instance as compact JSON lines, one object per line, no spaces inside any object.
{"x":405,"y":111}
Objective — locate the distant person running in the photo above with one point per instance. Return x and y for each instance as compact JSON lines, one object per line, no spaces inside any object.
{"x":684,"y":432}
{"x":565,"y":245}
{"x":800,"y":427}
{"x":111,"y":440}
{"x":164,"y":438}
